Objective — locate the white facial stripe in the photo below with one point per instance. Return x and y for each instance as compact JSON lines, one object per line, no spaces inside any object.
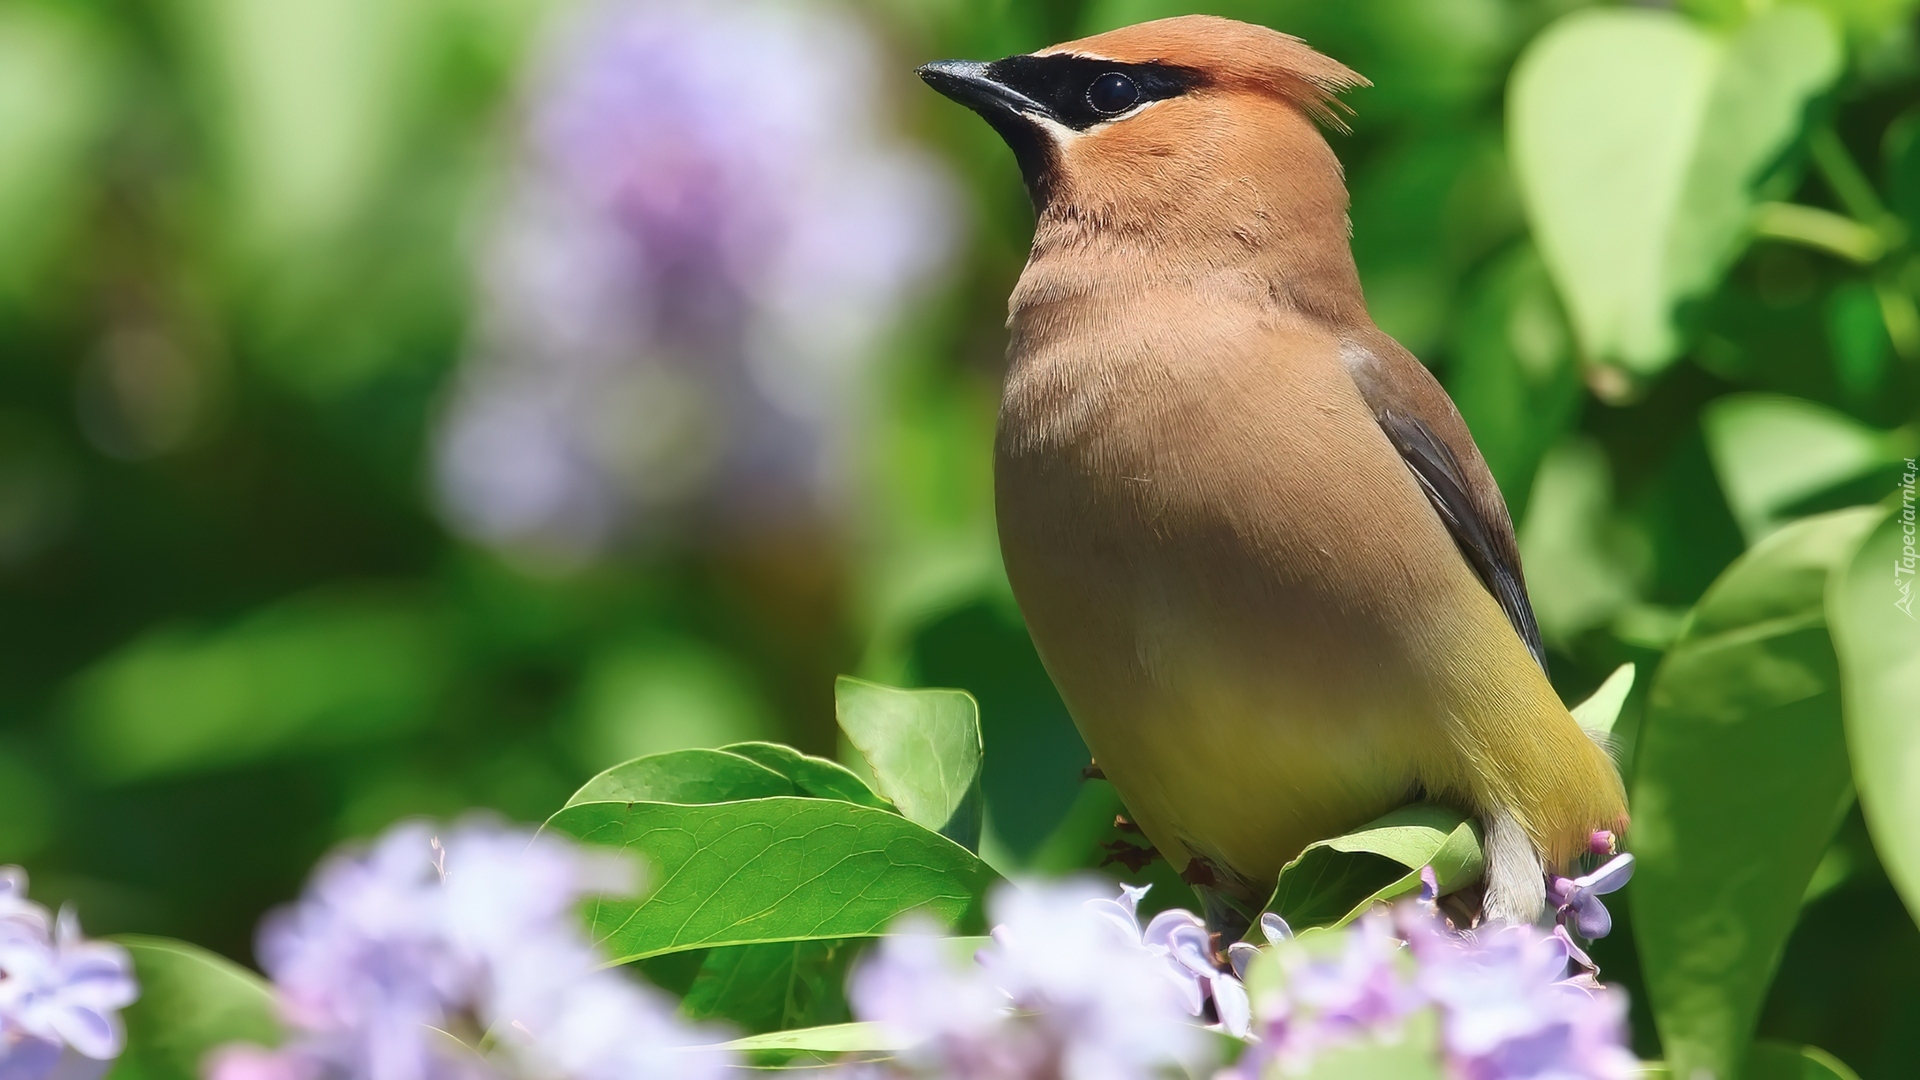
{"x":1062,"y":134}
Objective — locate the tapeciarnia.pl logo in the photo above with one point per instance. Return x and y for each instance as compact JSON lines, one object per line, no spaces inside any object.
{"x":1904,"y":565}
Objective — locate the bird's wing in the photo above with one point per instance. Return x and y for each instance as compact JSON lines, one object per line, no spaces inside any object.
{"x":1423,"y":425}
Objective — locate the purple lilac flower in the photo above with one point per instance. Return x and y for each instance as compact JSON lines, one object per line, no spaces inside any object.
{"x":60,"y":994}
{"x":1577,"y":900}
{"x":473,"y":933}
{"x":1069,"y":988}
{"x":687,"y":283}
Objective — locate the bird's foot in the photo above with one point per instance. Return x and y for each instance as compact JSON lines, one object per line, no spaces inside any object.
{"x":1132,"y":856}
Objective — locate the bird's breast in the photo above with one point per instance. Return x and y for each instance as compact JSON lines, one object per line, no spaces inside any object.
{"x":1210,"y":539}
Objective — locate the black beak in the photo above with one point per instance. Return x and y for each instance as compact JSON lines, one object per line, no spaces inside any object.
{"x":971,"y":83}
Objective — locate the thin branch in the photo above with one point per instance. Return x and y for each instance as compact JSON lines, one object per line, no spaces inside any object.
{"x":1822,"y":230}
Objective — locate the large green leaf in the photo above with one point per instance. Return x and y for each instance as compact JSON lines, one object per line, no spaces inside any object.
{"x":1335,"y":881}
{"x":813,"y":776}
{"x":1875,"y":632}
{"x":1638,"y":137}
{"x":191,"y":1002}
{"x":924,"y":749}
{"x":685,"y":776}
{"x":780,"y":869}
{"x":1740,"y":780}
{"x":1771,"y":452}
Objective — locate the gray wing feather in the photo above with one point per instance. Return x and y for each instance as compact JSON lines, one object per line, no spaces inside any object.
{"x":1441,"y":477}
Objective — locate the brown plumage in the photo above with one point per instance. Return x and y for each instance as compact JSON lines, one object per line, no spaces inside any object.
{"x":1256,"y":546}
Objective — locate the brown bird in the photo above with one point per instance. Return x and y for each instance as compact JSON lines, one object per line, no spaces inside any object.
{"x":1256,"y":546}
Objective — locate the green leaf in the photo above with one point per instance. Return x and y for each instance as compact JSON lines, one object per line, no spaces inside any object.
{"x":924,"y":749}
{"x":780,"y":869}
{"x":1637,"y":138}
{"x":1784,"y":1061}
{"x":1771,"y":452}
{"x":1740,"y":781}
{"x":191,"y":1002}
{"x":1601,"y":710}
{"x":773,"y":987}
{"x":685,"y":776}
{"x":1877,"y":637}
{"x":1335,"y":881}
{"x":813,"y":776}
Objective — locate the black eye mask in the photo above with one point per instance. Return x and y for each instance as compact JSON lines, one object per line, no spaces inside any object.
{"x":1079,"y":91}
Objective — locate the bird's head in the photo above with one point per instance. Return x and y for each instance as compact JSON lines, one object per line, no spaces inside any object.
{"x":1197,"y":119}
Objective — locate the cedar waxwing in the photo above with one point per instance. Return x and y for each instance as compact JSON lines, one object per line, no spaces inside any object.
{"x":1257,"y":549}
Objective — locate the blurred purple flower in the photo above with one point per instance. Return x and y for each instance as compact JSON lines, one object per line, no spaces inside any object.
{"x":1068,"y":989}
{"x":684,"y":290}
{"x":60,"y":994}
{"x":1509,"y":1009}
{"x":1577,"y":900}
{"x":477,"y":933}
{"x":1360,"y":991}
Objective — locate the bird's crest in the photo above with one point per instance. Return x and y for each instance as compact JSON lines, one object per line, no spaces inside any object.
{"x":1234,"y":55}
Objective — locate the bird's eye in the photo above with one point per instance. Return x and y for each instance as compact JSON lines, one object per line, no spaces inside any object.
{"x":1112,"y":93}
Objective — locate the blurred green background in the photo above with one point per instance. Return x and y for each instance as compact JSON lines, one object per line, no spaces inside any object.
{"x":277,"y":278}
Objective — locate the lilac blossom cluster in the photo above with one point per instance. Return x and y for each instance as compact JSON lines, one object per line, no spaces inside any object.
{"x":400,"y":960}
{"x":1071,"y":987}
{"x":1074,"y":986}
{"x":684,"y":290}
{"x":60,"y":994}
{"x":1512,"y":1002}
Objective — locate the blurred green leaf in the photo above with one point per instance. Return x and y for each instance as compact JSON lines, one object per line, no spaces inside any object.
{"x":1902,"y":148}
{"x":191,"y":1002}
{"x":1601,"y":710}
{"x":1865,"y":21}
{"x":685,"y":776}
{"x":1875,"y":632}
{"x":1857,"y":331}
{"x":924,"y":749}
{"x":306,"y":102}
{"x":817,"y":777}
{"x":772,"y":987}
{"x":1740,"y":780}
{"x":1772,"y":452}
{"x":55,"y":86}
{"x":1513,"y":372}
{"x":1413,"y":1057}
{"x":1638,"y":138}
{"x":319,"y":671}
{"x":781,"y":869}
{"x":26,"y":807}
{"x":662,"y":693}
{"x":1784,"y":1061}
{"x":1583,"y":563}
{"x":856,"y":1038}
{"x":1335,"y":881}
